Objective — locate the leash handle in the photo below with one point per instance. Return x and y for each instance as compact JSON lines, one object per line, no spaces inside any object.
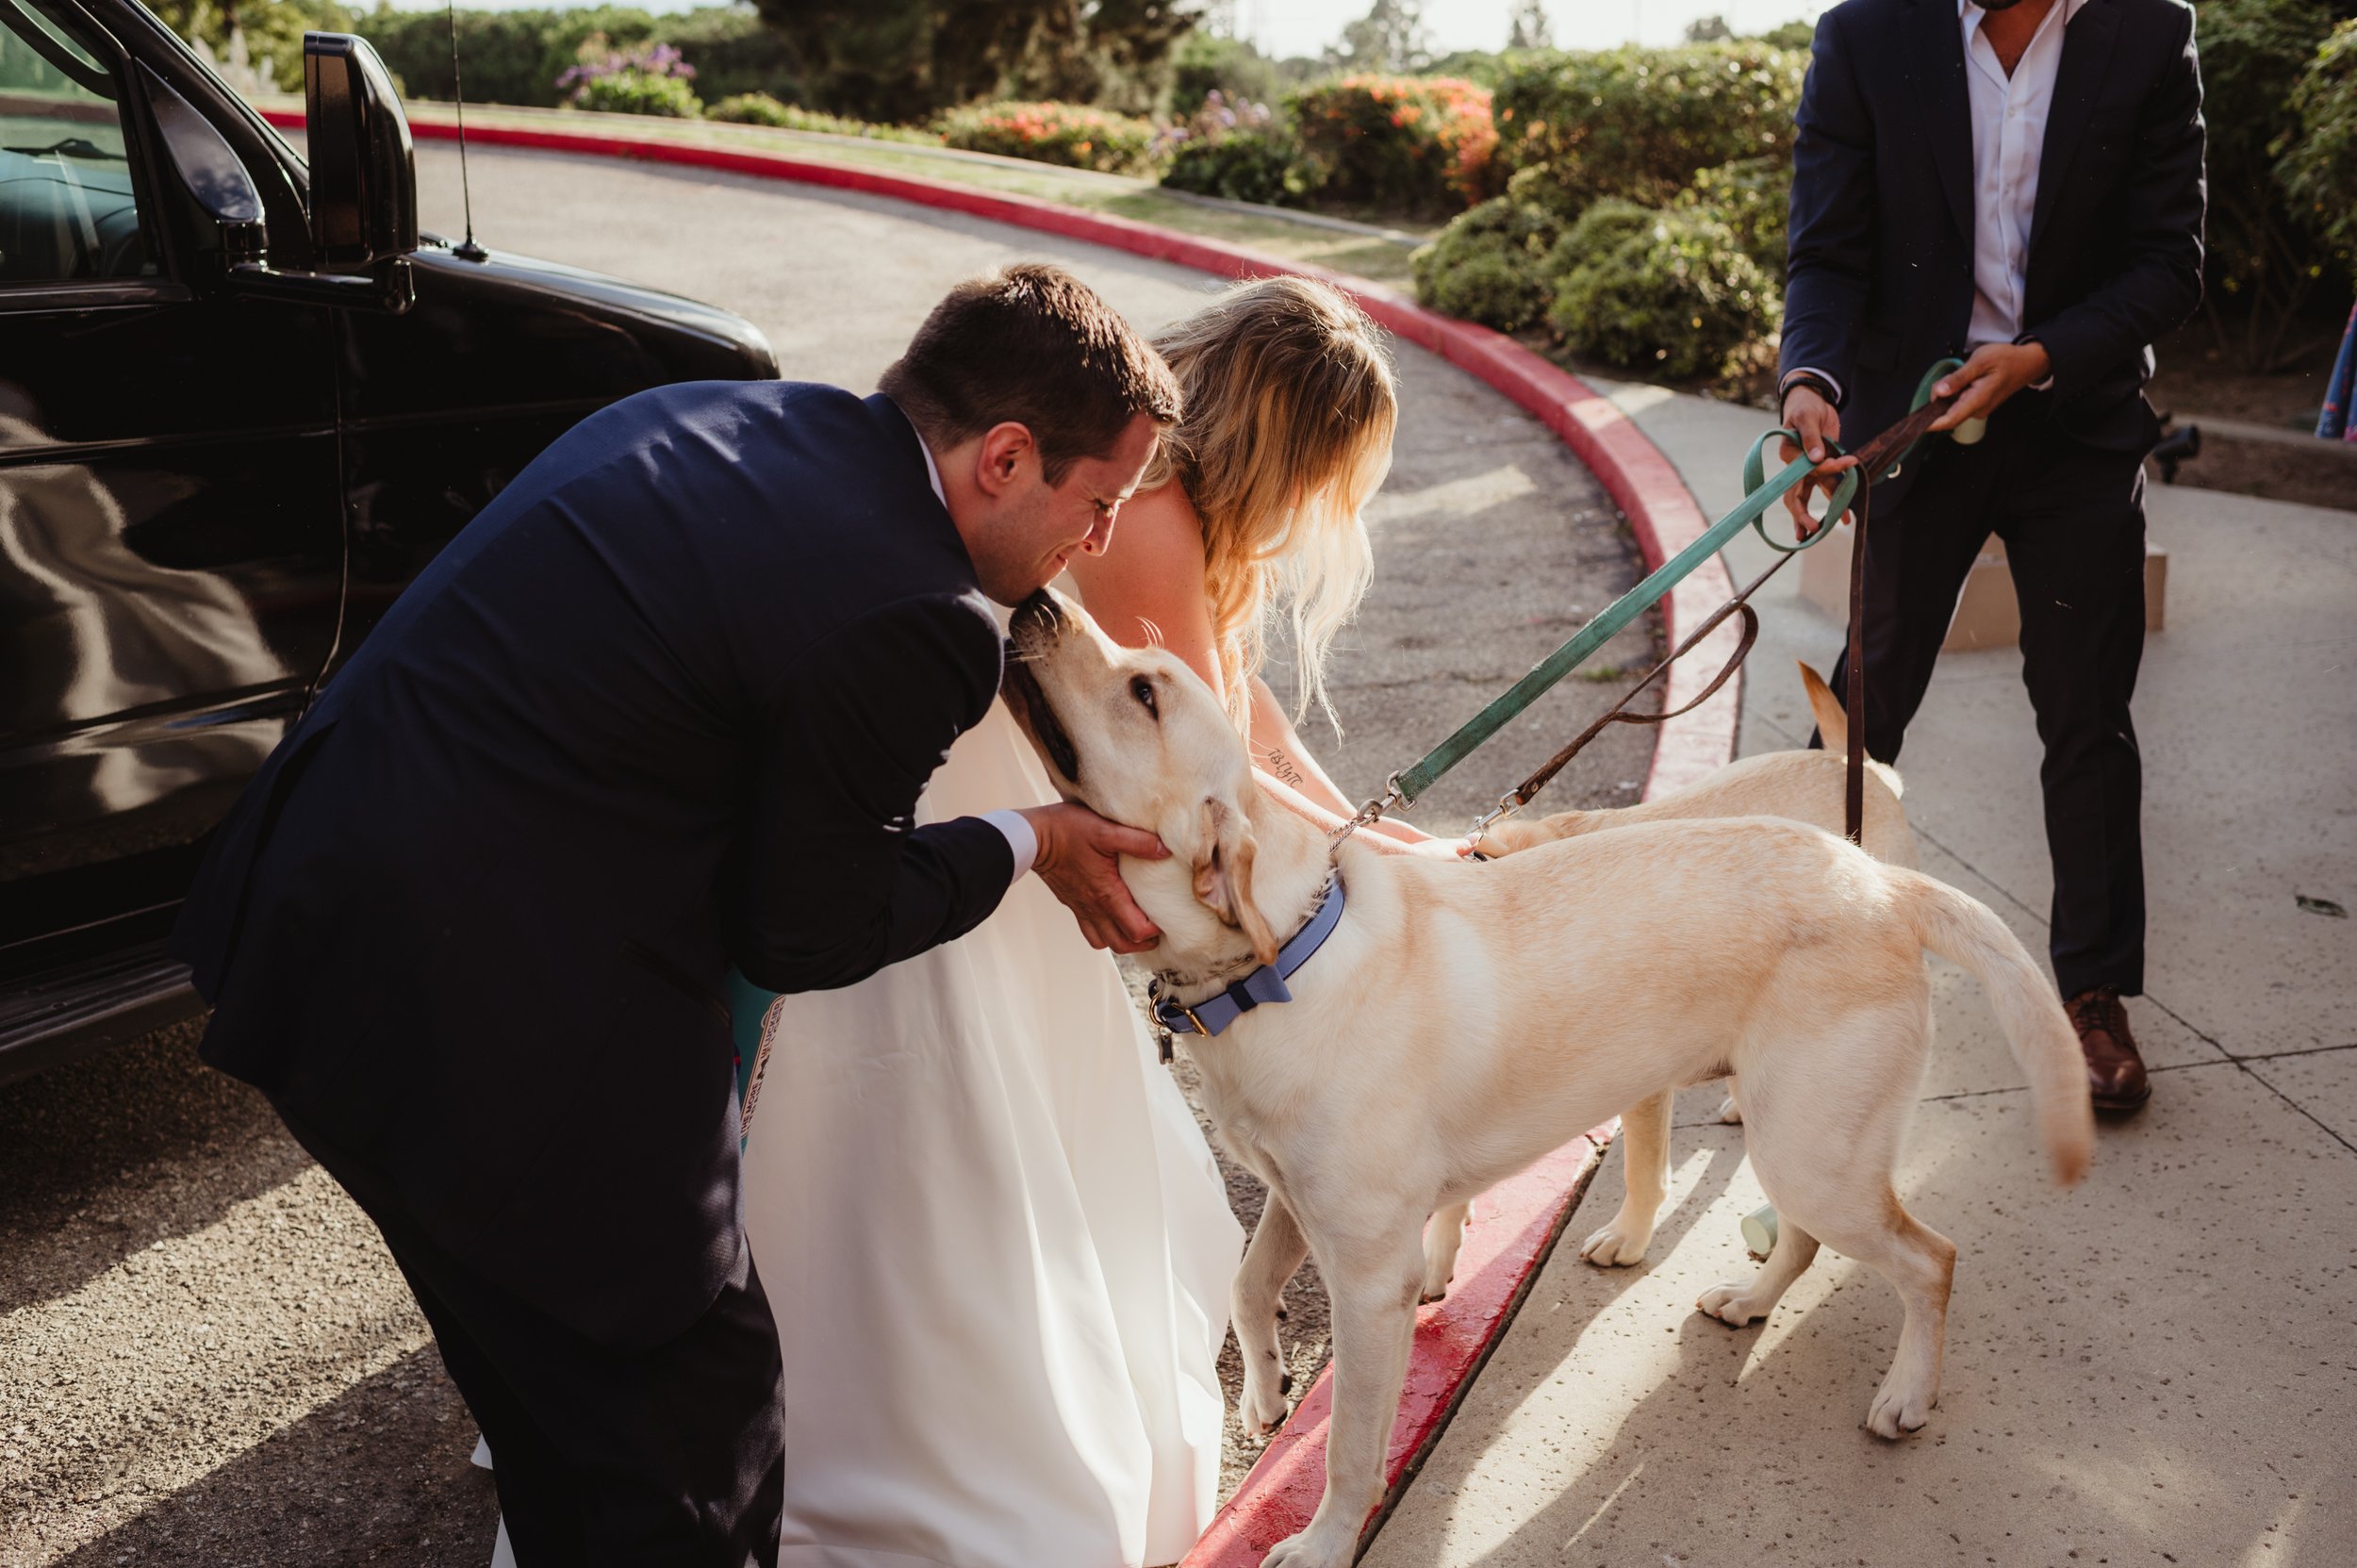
{"x":1845,"y":491}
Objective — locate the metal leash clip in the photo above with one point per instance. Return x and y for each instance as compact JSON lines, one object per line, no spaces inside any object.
{"x":1368,"y":815}
{"x":1508,"y":803}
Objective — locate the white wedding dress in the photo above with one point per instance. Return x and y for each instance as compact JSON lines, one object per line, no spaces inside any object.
{"x":996,"y":1245}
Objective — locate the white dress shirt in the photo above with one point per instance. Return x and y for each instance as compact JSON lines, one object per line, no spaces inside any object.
{"x":1021,"y":840}
{"x":2008,"y":138}
{"x":2009,"y":134}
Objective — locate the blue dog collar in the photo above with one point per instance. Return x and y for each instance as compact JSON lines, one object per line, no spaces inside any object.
{"x":1264,"y":983}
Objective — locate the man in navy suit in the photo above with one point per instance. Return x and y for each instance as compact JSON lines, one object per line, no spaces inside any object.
{"x":665,"y":706}
{"x":2018,"y":183}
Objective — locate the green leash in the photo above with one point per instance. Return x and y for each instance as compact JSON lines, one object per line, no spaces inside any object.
{"x":1884,"y":455}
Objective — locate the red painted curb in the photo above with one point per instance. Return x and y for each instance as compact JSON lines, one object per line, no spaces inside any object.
{"x":1516,"y":1224}
{"x":1520,"y":1219}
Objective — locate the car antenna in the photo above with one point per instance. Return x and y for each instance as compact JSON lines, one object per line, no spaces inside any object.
{"x":468,"y":250}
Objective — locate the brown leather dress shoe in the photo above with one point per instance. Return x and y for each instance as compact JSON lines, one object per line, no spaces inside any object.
{"x":2115,"y":1071}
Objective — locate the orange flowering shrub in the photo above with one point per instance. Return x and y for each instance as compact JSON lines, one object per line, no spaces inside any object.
{"x":1411,"y":142}
{"x":1072,"y":135}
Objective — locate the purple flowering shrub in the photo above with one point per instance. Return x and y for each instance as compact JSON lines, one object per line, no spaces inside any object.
{"x":650,"y":78}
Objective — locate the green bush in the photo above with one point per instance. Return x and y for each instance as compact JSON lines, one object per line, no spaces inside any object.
{"x":639,"y":93}
{"x":1640,"y":122}
{"x":1752,"y":197}
{"x":1071,"y":135}
{"x":759,"y":109}
{"x":1244,"y":166}
{"x":2318,"y":168}
{"x":516,"y":57}
{"x":1604,"y":226}
{"x":1489,"y":265}
{"x":1676,"y":296}
{"x":1412,"y":144}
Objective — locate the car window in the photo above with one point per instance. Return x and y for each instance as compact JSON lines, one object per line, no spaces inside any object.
{"x":69,"y":212}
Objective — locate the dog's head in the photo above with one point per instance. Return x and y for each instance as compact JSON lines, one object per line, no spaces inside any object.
{"x":1136,"y":736}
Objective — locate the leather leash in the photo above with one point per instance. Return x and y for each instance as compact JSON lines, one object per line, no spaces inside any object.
{"x":1879,"y":458}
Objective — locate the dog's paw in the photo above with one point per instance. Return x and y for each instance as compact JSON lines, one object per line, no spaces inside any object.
{"x":1304,"y":1551}
{"x":1897,"y":1412}
{"x":1617,"y":1245}
{"x":1262,"y":1407}
{"x":1730,"y":1110}
{"x":1730,"y":1303}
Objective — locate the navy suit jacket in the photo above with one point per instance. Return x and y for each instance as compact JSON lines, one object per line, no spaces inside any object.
{"x":1879,"y":284}
{"x":666,"y":705}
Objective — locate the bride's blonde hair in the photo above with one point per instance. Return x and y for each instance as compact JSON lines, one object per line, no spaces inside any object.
{"x":1290,"y":411}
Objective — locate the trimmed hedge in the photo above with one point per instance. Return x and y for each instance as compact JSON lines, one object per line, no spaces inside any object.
{"x":1069,"y":135}
{"x":1491,"y":265}
{"x":1671,"y":294}
{"x":1751,"y":196}
{"x":1265,"y":166}
{"x":516,"y":57}
{"x":1639,"y":123}
{"x":1412,"y":144}
{"x":759,"y":109}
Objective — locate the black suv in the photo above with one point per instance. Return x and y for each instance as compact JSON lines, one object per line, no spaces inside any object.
{"x":242,"y":399}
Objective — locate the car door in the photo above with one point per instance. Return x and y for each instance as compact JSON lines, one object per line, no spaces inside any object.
{"x":172,"y":544}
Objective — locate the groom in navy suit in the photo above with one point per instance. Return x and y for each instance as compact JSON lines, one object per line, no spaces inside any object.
{"x":665,"y":707}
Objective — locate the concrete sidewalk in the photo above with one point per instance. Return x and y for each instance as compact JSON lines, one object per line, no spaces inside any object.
{"x":2160,"y":1367}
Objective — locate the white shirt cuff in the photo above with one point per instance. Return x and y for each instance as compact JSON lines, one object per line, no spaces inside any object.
{"x":1020,"y":838}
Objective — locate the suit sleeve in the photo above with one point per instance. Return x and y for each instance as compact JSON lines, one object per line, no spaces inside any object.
{"x":1830,"y":255}
{"x":2160,"y":284}
{"x":839,"y":883}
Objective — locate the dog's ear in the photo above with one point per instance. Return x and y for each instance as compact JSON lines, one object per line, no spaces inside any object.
{"x":1223,"y":877}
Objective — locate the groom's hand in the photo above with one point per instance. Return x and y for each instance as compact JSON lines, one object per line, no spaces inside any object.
{"x":1079,"y":859}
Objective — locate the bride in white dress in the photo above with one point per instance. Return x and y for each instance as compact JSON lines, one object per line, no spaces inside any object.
{"x":995,"y":1242}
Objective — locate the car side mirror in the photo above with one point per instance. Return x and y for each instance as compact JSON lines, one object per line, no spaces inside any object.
{"x":363,"y":172}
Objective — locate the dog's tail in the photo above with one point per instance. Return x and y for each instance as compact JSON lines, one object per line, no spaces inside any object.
{"x":1964,"y":930}
{"x":1833,"y":725}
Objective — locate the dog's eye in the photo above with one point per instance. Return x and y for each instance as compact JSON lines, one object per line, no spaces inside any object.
{"x":1142,"y":689}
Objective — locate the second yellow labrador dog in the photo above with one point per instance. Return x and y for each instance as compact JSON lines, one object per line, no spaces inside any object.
{"x":1384,"y":1035}
{"x":1798,"y":786}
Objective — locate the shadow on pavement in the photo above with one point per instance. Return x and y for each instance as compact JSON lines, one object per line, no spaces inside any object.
{"x":379,"y":1475}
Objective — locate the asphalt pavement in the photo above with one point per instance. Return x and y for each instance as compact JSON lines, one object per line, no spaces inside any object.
{"x":205,"y":1355}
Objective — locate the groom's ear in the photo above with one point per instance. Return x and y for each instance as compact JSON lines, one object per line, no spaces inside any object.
{"x":1002,"y":457}
{"x":1223,"y":877}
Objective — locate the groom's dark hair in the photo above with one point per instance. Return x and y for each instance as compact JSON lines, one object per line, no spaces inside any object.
{"x":1035,"y":345}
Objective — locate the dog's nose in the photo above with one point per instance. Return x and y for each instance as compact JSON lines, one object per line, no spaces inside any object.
{"x":1040,"y":612}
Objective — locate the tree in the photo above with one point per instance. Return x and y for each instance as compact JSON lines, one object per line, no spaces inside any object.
{"x":1708,"y":30}
{"x":2264,"y":261}
{"x":2318,"y":167}
{"x":1528,"y":28}
{"x":1390,"y":36}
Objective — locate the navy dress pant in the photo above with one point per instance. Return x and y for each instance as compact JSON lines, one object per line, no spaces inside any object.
{"x":2072,"y":521}
{"x":604,"y":1457}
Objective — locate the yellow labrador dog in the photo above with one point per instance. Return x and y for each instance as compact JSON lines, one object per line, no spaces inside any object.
{"x":1457,"y":1021}
{"x":1799,"y":787}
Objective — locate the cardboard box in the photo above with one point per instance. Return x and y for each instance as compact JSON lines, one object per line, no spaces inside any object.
{"x":1986,"y":615}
